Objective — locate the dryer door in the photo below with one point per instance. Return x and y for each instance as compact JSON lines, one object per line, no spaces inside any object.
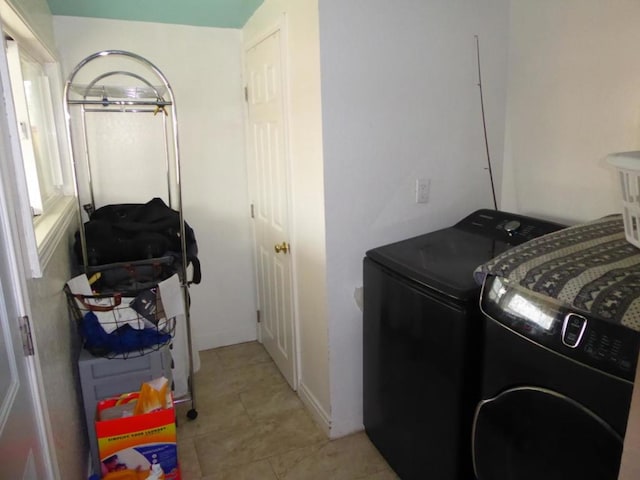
{"x":531,"y":433}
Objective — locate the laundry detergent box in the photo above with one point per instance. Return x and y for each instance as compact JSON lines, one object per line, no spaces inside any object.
{"x":137,"y":447}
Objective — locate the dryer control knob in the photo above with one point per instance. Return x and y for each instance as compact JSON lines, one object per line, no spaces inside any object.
{"x":511,"y":226}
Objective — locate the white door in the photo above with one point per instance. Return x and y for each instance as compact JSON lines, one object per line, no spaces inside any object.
{"x":268,"y":169}
{"x":21,"y":450}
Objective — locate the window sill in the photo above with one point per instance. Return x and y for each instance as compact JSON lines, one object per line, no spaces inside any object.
{"x":50,"y":228}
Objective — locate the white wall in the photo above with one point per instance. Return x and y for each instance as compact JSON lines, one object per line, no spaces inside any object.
{"x":574,"y":97}
{"x":204,"y":68}
{"x":399,"y":101}
{"x":305,"y":144}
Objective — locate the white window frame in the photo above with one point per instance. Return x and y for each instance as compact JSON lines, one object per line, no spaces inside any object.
{"x":43,"y":233}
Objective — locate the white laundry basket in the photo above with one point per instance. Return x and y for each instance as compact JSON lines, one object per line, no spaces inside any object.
{"x":628,"y":166}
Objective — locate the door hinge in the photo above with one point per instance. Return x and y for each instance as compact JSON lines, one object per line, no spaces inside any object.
{"x":258,"y":315}
{"x":252,"y":212}
{"x":25,"y":333}
{"x":246,"y":94}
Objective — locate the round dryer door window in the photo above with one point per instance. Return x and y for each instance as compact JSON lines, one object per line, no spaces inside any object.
{"x":531,"y":433}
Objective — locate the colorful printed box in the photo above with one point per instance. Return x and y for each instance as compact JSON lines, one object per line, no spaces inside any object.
{"x":129,"y":446}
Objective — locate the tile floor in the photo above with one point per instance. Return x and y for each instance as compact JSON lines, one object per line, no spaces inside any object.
{"x":252,"y":426}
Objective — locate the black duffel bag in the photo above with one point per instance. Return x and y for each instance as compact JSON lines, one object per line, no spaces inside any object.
{"x":133,"y":231}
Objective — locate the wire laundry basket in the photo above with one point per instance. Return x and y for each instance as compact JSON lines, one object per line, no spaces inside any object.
{"x":123,"y":324}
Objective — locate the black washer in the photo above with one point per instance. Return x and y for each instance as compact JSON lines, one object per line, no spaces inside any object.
{"x":422,"y":344}
{"x":556,"y":389}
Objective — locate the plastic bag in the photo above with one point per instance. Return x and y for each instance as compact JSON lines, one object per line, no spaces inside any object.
{"x":153,"y":396}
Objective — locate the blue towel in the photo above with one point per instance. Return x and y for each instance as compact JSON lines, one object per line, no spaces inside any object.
{"x":123,"y":339}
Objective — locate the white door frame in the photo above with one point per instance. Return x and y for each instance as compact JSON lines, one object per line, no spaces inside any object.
{"x":281,"y":26}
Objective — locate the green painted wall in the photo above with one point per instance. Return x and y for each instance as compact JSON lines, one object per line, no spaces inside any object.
{"x":203,"y":13}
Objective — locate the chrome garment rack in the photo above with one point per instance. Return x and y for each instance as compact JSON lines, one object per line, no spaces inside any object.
{"x":148,"y":93}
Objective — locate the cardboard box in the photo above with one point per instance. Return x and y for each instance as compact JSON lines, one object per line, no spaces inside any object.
{"x":129,"y":446}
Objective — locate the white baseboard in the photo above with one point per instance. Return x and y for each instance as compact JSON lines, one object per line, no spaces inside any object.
{"x":322,"y":418}
{"x":207,"y":340}
{"x":342,"y":429}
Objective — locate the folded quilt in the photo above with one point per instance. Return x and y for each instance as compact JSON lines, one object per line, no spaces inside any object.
{"x":589,"y":267}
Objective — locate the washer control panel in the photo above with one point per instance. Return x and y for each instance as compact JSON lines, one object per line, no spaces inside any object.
{"x":512,"y":226}
{"x":508,"y":227}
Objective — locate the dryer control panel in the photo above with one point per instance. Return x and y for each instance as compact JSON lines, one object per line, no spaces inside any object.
{"x":605,"y":346}
{"x":573,"y":329}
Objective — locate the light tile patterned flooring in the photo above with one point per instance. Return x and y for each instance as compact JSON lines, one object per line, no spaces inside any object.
{"x":252,"y":426}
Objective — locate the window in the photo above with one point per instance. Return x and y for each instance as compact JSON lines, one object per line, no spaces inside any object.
{"x":42,"y":184}
{"x":36,"y":127}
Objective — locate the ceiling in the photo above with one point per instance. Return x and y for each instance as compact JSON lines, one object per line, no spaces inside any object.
{"x":202,"y":13}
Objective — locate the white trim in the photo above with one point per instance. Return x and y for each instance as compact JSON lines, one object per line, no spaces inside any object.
{"x":23,"y":211}
{"x":90,"y":464}
{"x":17,"y":26}
{"x":322,"y":418}
{"x":266,"y":33}
{"x":10,"y":395}
{"x":286,"y":110}
{"x":43,"y":419}
{"x":283,"y":26}
{"x":250,"y":191}
{"x":30,"y":470}
{"x":54,"y":72}
{"x":51,"y":227}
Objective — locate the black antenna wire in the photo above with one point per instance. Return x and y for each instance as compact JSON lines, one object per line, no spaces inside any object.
{"x":484,"y":125}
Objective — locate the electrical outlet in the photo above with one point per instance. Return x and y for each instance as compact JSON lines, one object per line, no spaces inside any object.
{"x":422,"y":190}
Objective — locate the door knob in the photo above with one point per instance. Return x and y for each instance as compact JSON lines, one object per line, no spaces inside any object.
{"x":283,"y":247}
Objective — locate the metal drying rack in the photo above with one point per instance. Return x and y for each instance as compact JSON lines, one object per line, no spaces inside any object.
{"x":148,"y":97}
